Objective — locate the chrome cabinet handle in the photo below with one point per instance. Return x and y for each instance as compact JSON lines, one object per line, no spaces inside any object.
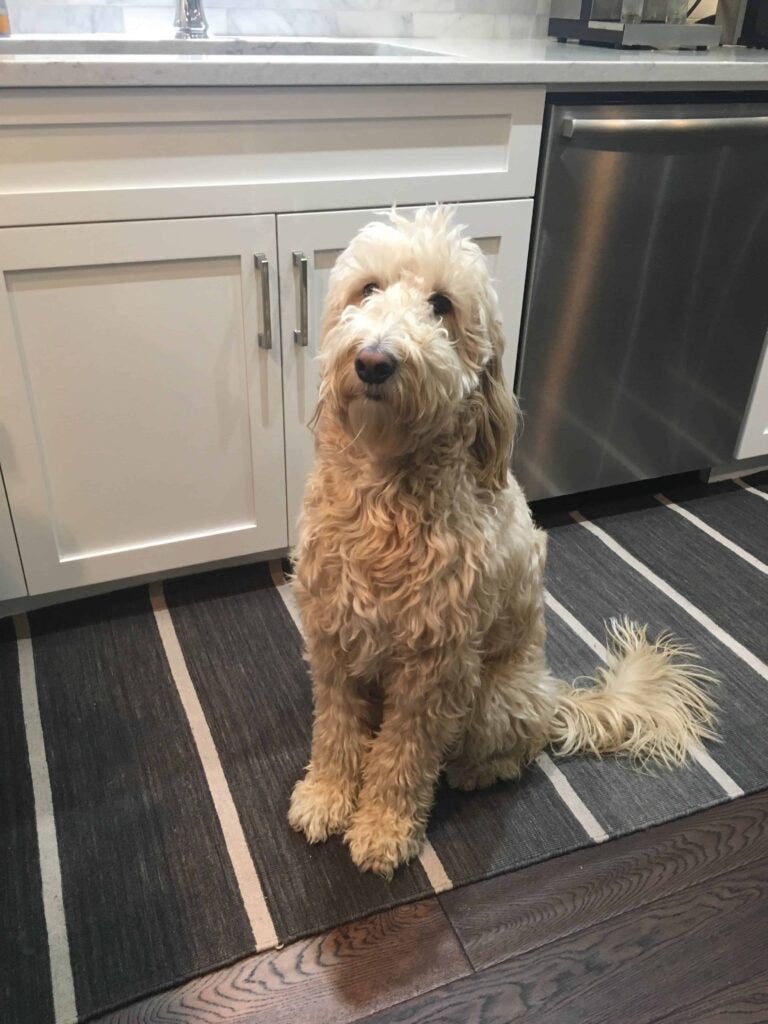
{"x":301,"y":337}
{"x":650,"y":125}
{"x":262,"y":269}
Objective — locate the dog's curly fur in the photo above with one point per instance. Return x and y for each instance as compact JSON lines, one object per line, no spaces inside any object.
{"x":419,"y":572}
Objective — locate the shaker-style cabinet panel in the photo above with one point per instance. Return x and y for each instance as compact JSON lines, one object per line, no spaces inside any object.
{"x":11,"y":576}
{"x":309,"y":244}
{"x":140,"y":384}
{"x":99,"y":154}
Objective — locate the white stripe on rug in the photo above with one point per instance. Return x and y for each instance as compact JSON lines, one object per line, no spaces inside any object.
{"x":433,"y":868}
{"x":752,"y":490}
{"x":698,"y":753}
{"x":62,"y":984}
{"x":575,"y":626}
{"x":703,"y":619}
{"x":720,"y":775}
{"x":715,"y":534}
{"x":430,"y":862}
{"x":248,"y":881}
{"x":572,"y":800}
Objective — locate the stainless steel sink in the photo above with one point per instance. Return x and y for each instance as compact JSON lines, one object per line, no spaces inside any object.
{"x":223,"y":46}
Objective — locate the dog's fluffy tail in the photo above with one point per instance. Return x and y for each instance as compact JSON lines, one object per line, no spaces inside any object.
{"x":650,"y":701}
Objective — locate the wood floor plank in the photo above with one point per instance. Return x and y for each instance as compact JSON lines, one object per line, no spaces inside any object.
{"x":338,"y":977}
{"x":520,"y":911}
{"x":642,"y":891}
{"x":736,"y":1004}
{"x":635,"y":968}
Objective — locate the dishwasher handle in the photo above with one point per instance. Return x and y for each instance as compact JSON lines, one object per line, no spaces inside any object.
{"x":652,"y":125}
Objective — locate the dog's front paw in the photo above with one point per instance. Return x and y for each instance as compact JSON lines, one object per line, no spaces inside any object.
{"x":380,"y":841}
{"x":321,"y":806}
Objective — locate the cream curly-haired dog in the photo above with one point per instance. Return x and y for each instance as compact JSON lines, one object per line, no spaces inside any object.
{"x":419,"y":572}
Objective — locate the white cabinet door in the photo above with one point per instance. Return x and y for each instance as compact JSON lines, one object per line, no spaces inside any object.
{"x":143,"y":421}
{"x":502,"y":230}
{"x":754,"y":432}
{"x":11,"y":577}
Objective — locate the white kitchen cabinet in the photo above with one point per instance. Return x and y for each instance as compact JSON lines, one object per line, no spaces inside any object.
{"x":754,"y":432}
{"x":142,"y":414}
{"x":11,"y":576}
{"x":142,"y":423}
{"x":501,"y":228}
{"x":75,"y":155}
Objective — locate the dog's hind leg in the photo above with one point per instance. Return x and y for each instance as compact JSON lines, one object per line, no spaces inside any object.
{"x":508,"y":723}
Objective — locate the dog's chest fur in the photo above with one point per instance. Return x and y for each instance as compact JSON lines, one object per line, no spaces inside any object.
{"x":388,"y":563}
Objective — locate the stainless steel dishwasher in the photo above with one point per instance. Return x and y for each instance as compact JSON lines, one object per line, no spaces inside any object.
{"x":647,"y":301}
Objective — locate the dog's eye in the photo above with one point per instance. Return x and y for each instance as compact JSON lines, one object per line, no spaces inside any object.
{"x":369,"y":289}
{"x":441,"y":304}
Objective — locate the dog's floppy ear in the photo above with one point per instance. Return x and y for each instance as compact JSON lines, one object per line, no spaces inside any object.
{"x":333,"y":307}
{"x":495,"y":418}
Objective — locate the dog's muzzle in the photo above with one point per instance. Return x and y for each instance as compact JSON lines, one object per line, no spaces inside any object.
{"x":374,"y":365}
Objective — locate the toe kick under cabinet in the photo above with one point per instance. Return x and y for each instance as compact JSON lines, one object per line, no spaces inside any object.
{"x":163,"y":261}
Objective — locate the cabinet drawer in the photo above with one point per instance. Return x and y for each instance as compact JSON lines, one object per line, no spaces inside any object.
{"x":100,"y":154}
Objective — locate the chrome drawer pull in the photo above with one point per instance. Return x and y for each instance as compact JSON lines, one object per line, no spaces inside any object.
{"x":262,"y":269}
{"x":301,"y":336}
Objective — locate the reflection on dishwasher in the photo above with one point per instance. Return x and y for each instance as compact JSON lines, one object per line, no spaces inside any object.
{"x":646,"y":306}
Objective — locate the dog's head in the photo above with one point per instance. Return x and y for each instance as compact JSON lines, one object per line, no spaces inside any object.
{"x":412,"y":344}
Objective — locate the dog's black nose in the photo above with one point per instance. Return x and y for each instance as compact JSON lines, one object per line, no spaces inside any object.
{"x":373,"y":365}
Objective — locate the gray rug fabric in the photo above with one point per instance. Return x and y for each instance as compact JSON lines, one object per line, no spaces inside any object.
{"x":144,"y":780}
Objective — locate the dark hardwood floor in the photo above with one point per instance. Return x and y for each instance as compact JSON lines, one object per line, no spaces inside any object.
{"x":668,"y":925}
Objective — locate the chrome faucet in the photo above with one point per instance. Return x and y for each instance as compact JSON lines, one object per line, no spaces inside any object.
{"x":190,"y":20}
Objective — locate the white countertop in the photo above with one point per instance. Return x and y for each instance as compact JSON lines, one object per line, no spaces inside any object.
{"x":450,"y":62}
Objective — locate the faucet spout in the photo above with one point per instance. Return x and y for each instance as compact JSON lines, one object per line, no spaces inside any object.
{"x":190,"y":20}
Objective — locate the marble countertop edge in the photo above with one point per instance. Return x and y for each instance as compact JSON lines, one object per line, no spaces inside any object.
{"x":450,"y":62}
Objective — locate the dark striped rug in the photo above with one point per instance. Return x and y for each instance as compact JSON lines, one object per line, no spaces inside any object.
{"x":149,"y":741}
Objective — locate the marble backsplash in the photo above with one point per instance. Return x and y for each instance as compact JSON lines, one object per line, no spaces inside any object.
{"x":517,"y":19}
